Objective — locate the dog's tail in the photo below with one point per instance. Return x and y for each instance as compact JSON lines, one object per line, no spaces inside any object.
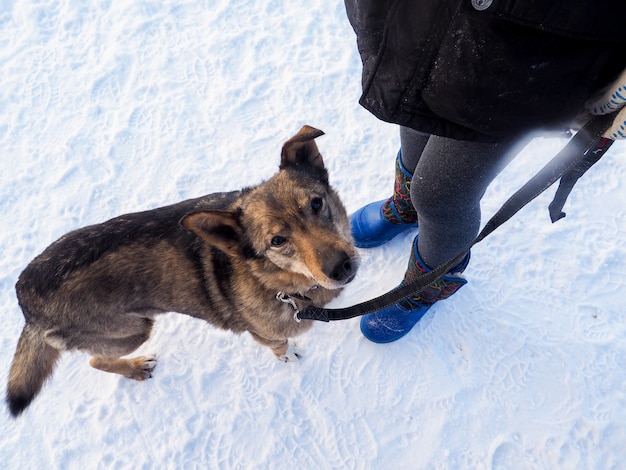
{"x":32,"y":364}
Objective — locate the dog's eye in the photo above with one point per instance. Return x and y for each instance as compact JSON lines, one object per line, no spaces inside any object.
{"x":316,"y":204}
{"x":278,"y":240}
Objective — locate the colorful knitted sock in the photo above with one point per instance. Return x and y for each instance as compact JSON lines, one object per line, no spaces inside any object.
{"x":398,"y":209}
{"x":441,"y":289}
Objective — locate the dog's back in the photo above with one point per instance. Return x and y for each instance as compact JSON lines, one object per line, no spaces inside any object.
{"x":121,"y":238}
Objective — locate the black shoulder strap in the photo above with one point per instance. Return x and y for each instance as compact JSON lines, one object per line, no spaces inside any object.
{"x":580,"y":153}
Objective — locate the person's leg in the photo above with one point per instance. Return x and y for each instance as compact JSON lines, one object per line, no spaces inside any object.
{"x":449,"y":180}
{"x":378,"y":222}
{"x":412,"y":143}
{"x":448,"y":184}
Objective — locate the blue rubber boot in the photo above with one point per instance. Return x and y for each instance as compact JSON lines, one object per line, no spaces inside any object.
{"x":392,"y":323}
{"x":380,"y":221}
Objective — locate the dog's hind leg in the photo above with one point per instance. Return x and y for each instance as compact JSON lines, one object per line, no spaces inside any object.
{"x":107,"y":352}
{"x":138,"y":368}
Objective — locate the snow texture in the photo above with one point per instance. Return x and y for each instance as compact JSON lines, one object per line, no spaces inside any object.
{"x":115,"y":106}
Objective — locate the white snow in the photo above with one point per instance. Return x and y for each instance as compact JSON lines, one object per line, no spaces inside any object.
{"x":114,"y":106}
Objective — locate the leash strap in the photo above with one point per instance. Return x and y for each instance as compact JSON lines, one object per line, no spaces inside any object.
{"x":569,"y":179}
{"x":580,"y":153}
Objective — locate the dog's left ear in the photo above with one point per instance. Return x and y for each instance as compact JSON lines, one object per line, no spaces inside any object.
{"x":218,"y":228}
{"x":301,"y":152}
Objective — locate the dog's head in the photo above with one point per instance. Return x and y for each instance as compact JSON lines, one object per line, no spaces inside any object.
{"x":292,"y":231}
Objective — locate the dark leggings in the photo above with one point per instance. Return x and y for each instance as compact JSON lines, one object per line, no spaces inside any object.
{"x":450,"y":178}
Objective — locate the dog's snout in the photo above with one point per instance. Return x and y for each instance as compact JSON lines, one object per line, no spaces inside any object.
{"x":340,"y":267}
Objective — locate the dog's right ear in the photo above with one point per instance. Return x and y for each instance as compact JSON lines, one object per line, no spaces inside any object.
{"x":301,"y":152}
{"x":218,"y":228}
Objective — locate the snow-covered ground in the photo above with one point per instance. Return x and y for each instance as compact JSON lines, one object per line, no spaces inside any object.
{"x":114,"y":106}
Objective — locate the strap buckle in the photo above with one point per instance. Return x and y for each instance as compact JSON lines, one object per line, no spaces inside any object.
{"x":286,"y":299}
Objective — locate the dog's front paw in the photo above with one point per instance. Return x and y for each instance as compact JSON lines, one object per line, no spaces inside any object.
{"x":293,"y":353}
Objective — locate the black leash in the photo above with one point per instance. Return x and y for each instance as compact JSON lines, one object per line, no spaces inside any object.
{"x":580,"y":153}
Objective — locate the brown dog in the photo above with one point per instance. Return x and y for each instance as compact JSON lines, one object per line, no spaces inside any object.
{"x":242,"y":261}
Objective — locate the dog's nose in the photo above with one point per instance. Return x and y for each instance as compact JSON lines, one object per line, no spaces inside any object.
{"x":340,"y":267}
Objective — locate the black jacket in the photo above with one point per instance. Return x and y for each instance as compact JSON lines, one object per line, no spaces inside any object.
{"x":486,"y":69}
